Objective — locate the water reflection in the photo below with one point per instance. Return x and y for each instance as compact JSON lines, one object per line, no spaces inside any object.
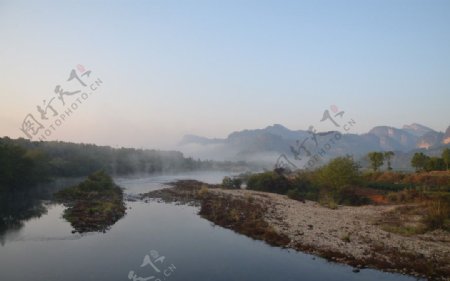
{"x":46,"y":249}
{"x":20,"y":206}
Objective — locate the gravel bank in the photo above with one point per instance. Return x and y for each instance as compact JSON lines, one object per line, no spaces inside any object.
{"x":352,"y":235}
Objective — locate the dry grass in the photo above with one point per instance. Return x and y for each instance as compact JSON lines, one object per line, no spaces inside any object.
{"x":243,"y":216}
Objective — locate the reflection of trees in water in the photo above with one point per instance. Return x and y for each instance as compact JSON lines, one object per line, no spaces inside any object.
{"x":17,"y":207}
{"x":20,"y":206}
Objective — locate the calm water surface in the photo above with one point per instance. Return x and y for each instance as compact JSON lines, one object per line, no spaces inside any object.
{"x":188,"y":247}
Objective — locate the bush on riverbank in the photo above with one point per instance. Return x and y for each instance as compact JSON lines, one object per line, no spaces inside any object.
{"x":333,"y":184}
{"x":269,"y":182}
{"x":231,"y":183}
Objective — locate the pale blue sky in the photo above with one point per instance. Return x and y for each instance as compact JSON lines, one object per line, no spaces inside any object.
{"x":212,"y":67}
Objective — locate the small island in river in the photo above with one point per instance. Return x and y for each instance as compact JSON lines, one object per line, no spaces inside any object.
{"x":94,"y":204}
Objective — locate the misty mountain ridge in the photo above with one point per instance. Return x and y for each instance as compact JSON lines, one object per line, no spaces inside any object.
{"x":263,"y":145}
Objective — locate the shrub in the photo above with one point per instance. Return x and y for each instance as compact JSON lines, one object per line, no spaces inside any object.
{"x":270,"y":182}
{"x":231,"y":183}
{"x":327,"y":200}
{"x":392,"y":197}
{"x":438,"y":215}
{"x":203,"y":191}
{"x":295,"y":195}
{"x":349,"y":195}
{"x":407,"y":196}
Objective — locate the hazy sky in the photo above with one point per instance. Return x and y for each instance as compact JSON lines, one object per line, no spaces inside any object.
{"x":211,"y":67}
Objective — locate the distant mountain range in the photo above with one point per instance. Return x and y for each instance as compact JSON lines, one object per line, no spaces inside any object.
{"x":266,"y":145}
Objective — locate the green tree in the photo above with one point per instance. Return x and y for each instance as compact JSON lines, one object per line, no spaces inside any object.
{"x":446,"y":156}
{"x":16,"y":169}
{"x":435,"y":164}
{"x":419,"y":161}
{"x":335,"y":177}
{"x":388,"y":156}
{"x":339,"y":172}
{"x":376,"y":160}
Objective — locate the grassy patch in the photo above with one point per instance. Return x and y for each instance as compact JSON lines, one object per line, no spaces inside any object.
{"x":93,"y":205}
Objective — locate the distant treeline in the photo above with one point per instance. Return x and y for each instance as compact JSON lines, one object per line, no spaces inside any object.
{"x":23,"y":162}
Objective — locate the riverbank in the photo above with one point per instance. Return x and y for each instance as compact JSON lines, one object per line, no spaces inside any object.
{"x":351,"y":235}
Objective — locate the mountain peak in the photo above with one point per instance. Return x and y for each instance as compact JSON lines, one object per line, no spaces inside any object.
{"x":276,"y":127}
{"x":417,"y":130}
{"x":265,"y":145}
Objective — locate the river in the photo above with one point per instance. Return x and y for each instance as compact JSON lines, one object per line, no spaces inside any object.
{"x":155,"y":241}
